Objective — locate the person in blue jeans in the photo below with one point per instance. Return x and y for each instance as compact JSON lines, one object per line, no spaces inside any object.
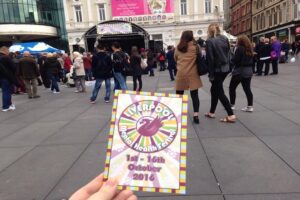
{"x":53,"y":67}
{"x":102,"y":71}
{"x":7,"y":79}
{"x":119,"y":60}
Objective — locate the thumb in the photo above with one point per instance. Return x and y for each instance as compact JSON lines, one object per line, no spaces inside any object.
{"x":107,"y":192}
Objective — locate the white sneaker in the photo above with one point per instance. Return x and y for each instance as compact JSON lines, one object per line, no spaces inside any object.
{"x":6,"y":110}
{"x":55,"y":92}
{"x":248,"y":109}
{"x":12,"y":107}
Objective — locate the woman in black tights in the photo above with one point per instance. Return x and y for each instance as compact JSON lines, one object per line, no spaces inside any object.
{"x":187,"y":77}
{"x":242,"y":73}
{"x":217,"y":54}
{"x":135,"y":63}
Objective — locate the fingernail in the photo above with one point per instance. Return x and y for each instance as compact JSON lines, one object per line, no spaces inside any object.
{"x":111,"y":182}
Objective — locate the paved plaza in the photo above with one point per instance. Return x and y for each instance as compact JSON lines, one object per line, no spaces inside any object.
{"x":51,"y":146}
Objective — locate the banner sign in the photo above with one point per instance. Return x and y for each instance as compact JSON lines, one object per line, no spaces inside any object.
{"x":114,"y":28}
{"x":147,"y":142}
{"x":142,"y":10}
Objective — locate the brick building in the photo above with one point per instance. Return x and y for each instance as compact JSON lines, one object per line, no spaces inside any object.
{"x":241,"y":17}
{"x":276,"y":17}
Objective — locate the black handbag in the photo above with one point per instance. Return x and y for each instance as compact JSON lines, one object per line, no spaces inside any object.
{"x":202,"y":67}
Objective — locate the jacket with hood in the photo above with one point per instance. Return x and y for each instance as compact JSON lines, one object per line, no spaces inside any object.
{"x":52,"y":65}
{"x":28,"y":68}
{"x":101,"y":66}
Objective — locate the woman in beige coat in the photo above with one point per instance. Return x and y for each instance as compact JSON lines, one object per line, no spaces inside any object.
{"x":79,"y":71}
{"x":187,"y":77}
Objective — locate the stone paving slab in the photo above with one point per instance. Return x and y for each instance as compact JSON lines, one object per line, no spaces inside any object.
{"x":287,"y":147}
{"x":264,"y":197}
{"x":246,"y":165}
{"x":32,"y":135}
{"x":10,"y":155}
{"x":201,"y":197}
{"x":10,"y":128}
{"x":77,"y":132}
{"x":268,"y":124}
{"x":292,"y":115}
{"x":88,"y":166}
{"x":34,"y":175}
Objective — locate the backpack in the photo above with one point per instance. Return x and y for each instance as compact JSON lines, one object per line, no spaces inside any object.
{"x":161,"y":57}
{"x":120,"y":63}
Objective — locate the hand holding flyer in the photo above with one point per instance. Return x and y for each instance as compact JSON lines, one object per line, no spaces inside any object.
{"x":147,"y":142}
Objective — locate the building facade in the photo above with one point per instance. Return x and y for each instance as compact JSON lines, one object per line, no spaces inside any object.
{"x":241,"y":16}
{"x":165,"y":26}
{"x":227,"y":16}
{"x":276,"y":17}
{"x":35,"y":20}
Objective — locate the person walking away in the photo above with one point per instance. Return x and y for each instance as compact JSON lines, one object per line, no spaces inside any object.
{"x":61,"y":70}
{"x":53,"y":68}
{"x":43,"y":71}
{"x":135,"y":64}
{"x":257,"y":51}
{"x":79,"y":73}
{"x":29,"y":72}
{"x":119,"y":60}
{"x":67,"y":63}
{"x":217,"y":55}
{"x":7,"y":79}
{"x":87,"y":62}
{"x":254,"y":69}
{"x":275,"y":55}
{"x":187,"y":75}
{"x":150,"y":62}
{"x":242,"y":72}
{"x":102,"y":71}
{"x":162,"y":61}
{"x":265,"y":57}
{"x":286,"y":49}
{"x":171,"y":62}
{"x":20,"y":89}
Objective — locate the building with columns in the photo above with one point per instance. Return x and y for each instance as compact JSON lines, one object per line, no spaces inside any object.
{"x":276,"y":17}
{"x":165,"y":26}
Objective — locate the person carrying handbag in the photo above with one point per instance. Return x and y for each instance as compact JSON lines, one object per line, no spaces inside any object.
{"x":243,"y":71}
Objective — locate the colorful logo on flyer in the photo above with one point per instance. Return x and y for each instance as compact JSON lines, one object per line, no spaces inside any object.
{"x":148,"y":126}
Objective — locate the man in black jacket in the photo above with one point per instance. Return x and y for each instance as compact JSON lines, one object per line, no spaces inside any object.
{"x":102,"y":71}
{"x":258,"y":49}
{"x":7,"y":79}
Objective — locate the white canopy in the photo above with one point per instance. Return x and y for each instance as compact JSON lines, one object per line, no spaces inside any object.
{"x":230,"y":37}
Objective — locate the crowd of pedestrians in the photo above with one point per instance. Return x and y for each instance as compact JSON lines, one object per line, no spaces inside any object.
{"x":23,"y":73}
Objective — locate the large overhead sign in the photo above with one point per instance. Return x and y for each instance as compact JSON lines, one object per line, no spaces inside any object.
{"x":142,"y":10}
{"x":114,"y":28}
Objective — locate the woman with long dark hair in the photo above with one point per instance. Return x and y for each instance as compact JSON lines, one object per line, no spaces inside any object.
{"x":217,"y":54}
{"x":242,"y":73}
{"x":135,"y":63}
{"x":187,"y":77}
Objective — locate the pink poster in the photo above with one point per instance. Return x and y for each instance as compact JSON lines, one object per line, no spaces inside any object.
{"x":141,"y":7}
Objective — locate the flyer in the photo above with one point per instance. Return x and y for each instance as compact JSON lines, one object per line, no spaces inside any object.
{"x":147,"y":143}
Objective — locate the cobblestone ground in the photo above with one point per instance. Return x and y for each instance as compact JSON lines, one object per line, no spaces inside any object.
{"x":51,"y":146}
